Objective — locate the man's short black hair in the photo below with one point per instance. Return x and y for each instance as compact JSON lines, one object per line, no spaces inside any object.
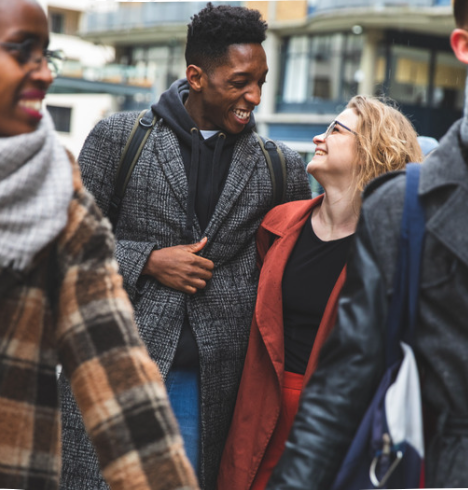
{"x":214,"y":29}
{"x":460,"y":12}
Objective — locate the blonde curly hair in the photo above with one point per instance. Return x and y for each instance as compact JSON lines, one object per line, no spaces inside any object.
{"x":387,"y":140}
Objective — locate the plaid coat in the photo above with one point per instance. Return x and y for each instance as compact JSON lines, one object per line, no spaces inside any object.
{"x":70,"y":308}
{"x":153,"y":214}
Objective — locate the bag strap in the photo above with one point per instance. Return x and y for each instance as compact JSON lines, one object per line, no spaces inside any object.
{"x":132,"y":151}
{"x":136,"y":141}
{"x":403,"y":307}
{"x":277,"y":167}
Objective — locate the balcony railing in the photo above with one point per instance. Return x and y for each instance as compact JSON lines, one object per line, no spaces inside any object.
{"x":323,"y":5}
{"x":111,"y":73}
{"x":147,"y":14}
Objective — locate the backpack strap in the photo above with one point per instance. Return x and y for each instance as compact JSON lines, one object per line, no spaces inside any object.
{"x":136,"y":141}
{"x":277,"y":167}
{"x":403,"y":308}
{"x":130,"y":155}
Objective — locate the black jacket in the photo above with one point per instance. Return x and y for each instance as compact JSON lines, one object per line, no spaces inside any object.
{"x":352,"y":361}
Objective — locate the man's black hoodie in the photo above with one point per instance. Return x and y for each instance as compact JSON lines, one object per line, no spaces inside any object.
{"x":206,"y":161}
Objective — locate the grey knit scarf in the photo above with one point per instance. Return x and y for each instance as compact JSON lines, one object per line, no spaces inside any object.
{"x":35,"y":192}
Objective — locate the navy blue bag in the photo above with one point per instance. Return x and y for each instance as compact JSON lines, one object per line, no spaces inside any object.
{"x":388,"y":448}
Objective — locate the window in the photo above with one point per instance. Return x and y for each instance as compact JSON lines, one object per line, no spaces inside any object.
{"x":423,"y":77}
{"x":64,"y":20}
{"x":322,"y":68}
{"x":295,"y":86}
{"x":324,"y":62}
{"x":157,"y":66}
{"x":61,"y":117}
{"x":409,"y":82}
{"x":449,"y":82}
{"x":351,"y":66}
{"x":57,"y":22}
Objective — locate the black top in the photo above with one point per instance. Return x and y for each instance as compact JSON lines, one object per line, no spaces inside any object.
{"x":309,"y":277}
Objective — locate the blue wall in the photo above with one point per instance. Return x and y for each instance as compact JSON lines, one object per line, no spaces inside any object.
{"x":295,"y":132}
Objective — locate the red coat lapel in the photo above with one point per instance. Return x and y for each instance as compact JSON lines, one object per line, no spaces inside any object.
{"x":283,"y":224}
{"x":259,"y":397}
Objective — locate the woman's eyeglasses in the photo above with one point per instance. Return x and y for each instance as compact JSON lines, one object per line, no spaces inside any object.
{"x":29,"y":53}
{"x":332,"y":127}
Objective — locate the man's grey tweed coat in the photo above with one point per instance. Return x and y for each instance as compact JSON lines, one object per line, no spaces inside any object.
{"x":153,"y":215}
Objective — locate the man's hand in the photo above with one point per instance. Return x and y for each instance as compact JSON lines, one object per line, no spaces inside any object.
{"x":179,"y":267}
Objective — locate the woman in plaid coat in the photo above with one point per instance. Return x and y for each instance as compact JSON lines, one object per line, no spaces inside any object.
{"x":61,"y":299}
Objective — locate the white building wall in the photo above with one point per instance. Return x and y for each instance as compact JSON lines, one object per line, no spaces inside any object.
{"x":80,"y":5}
{"x":86,"y":111}
{"x":74,"y":47}
{"x":84,"y":52}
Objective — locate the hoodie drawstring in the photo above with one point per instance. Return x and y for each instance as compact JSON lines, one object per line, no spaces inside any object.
{"x":215,"y":171}
{"x":192,"y":184}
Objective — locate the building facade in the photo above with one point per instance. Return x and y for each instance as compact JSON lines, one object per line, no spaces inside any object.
{"x":320,"y":53}
{"x":398,"y":49}
{"x":89,"y":87}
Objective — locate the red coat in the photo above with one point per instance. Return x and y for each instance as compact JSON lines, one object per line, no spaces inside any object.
{"x":259,"y":397}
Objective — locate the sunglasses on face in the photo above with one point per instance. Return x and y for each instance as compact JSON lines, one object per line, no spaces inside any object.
{"x":30,"y":53}
{"x":332,"y":128}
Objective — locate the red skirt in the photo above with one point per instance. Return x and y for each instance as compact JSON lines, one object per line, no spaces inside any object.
{"x":292,"y":388}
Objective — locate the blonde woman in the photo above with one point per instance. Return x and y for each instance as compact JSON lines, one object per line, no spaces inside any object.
{"x":302,"y":249}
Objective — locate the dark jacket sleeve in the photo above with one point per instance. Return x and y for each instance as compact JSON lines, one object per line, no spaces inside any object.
{"x":350,"y":367}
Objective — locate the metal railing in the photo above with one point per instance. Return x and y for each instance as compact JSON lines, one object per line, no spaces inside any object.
{"x":111,"y":73}
{"x":146,"y":14}
{"x":323,"y":5}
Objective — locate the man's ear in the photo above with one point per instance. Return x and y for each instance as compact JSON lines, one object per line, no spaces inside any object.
{"x":195,"y":77}
{"x":459,"y":42}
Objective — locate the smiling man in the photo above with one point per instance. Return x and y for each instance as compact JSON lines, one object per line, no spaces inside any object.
{"x":186,"y":232}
